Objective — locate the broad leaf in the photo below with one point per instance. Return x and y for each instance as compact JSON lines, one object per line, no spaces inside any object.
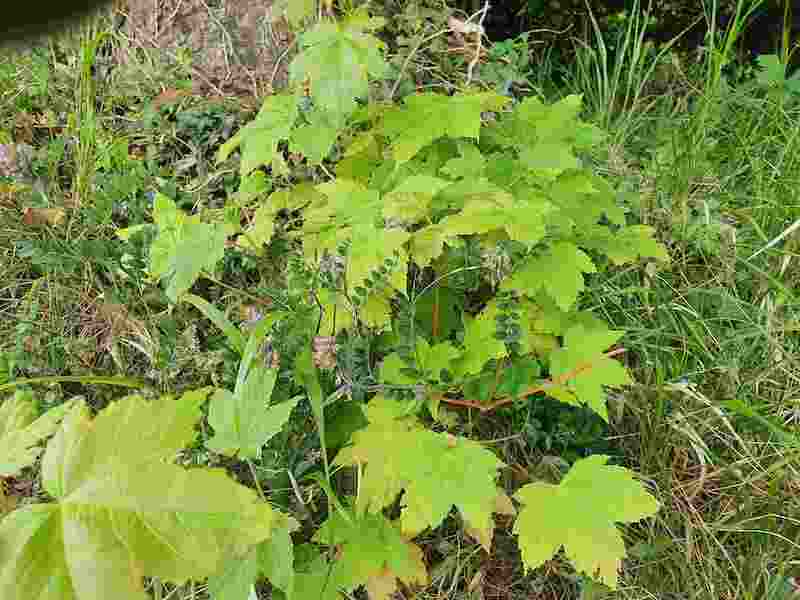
{"x":580,"y":514}
{"x":480,"y":343}
{"x":184,"y":247}
{"x":371,"y":552}
{"x":582,"y":355}
{"x":122,"y":511}
{"x":21,"y":432}
{"x":427,"y":117}
{"x":436,"y":470}
{"x":337,"y":60}
{"x":259,"y":139}
{"x":559,"y":272}
{"x":242,"y":421}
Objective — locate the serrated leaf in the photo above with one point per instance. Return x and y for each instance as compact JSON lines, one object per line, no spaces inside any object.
{"x":337,"y":59}
{"x":436,"y":470}
{"x":315,"y":139}
{"x":21,"y":432}
{"x":559,"y":272}
{"x":625,"y":245}
{"x":370,"y":247}
{"x":556,"y":515}
{"x":583,"y":353}
{"x":480,"y":344}
{"x":337,"y":315}
{"x":410,"y":200}
{"x":243,"y":422}
{"x":427,"y":245}
{"x":251,"y":188}
{"x":432,"y":359}
{"x":236,"y":579}
{"x":259,"y":232}
{"x":391,"y":371}
{"x":377,"y":311}
{"x":183,"y":248}
{"x":259,"y":139}
{"x":276,"y":555}
{"x":296,"y":11}
{"x":426,"y":117}
{"x":122,"y":511}
{"x":370,"y":547}
{"x":470,"y":163}
{"x":503,"y":506}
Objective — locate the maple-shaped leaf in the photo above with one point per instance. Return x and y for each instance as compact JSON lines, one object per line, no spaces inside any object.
{"x":430,"y":360}
{"x":259,"y":139}
{"x":344,"y":204}
{"x":315,"y":139}
{"x":377,"y":311}
{"x":273,"y":558}
{"x":183,"y":248}
{"x":470,"y":163}
{"x":336,"y":313}
{"x":260,"y":230}
{"x":582,"y":354}
{"x":436,"y":470}
{"x":21,"y":431}
{"x":625,"y":245}
{"x":276,"y":555}
{"x":580,"y":514}
{"x":480,"y":343}
{"x":410,"y":200}
{"x":242,"y":421}
{"x":370,"y":248}
{"x":370,"y":547}
{"x":122,"y":512}
{"x":559,"y":272}
{"x":427,"y":244}
{"x":426,"y":117}
{"x":337,"y":59}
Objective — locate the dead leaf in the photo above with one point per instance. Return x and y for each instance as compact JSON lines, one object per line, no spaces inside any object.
{"x":463,"y":27}
{"x":38,"y":217}
{"x":169,"y":96}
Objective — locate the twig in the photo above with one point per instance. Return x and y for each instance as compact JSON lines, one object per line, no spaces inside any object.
{"x":479,"y":45}
{"x":562,"y":379}
{"x":411,"y":55}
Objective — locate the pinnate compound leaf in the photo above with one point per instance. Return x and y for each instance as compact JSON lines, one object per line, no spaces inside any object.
{"x":122,"y":511}
{"x":370,"y":247}
{"x":183,"y":248}
{"x":337,"y":59}
{"x":427,"y":117}
{"x":583,"y":355}
{"x":259,"y":139}
{"x":242,"y":421}
{"x":553,"y":516}
{"x":371,"y":551}
{"x":559,"y":272}
{"x":436,"y":470}
{"x":21,"y":432}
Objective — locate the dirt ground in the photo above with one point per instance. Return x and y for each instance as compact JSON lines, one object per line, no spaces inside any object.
{"x":238,"y":47}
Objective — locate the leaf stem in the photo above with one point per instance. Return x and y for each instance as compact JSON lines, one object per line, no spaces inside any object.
{"x":503,"y":400}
